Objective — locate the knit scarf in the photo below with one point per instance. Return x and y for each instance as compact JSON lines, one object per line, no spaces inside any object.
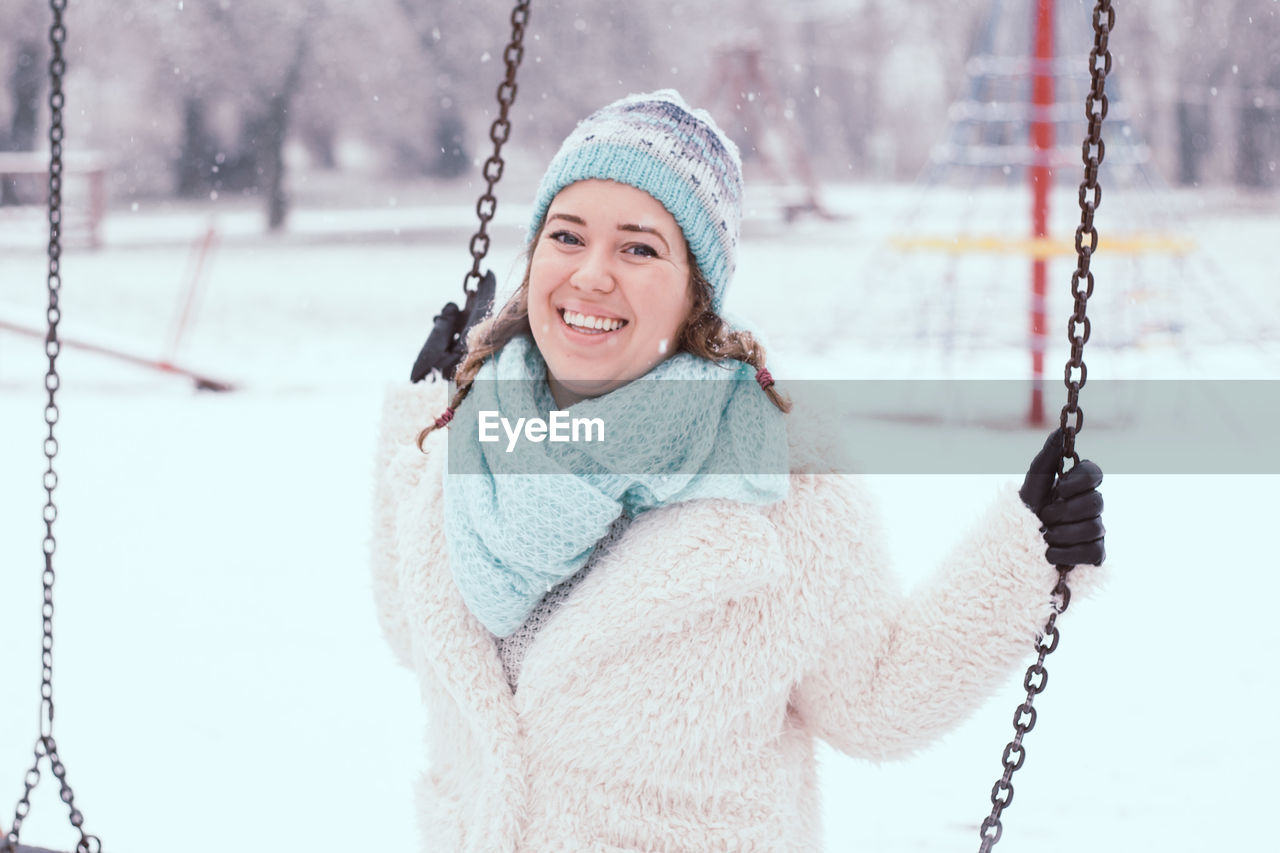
{"x":517,"y":522}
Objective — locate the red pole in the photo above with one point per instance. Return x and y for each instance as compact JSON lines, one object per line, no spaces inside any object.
{"x":194,"y":281}
{"x":97,"y":204}
{"x":1041,"y":181}
{"x":202,"y":381}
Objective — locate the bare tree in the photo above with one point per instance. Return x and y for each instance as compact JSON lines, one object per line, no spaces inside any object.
{"x":207,"y":96}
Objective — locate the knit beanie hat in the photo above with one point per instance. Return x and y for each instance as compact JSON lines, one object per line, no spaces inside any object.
{"x":657,"y":143}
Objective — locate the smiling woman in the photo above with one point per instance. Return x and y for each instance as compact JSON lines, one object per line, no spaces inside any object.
{"x":609,"y":288}
{"x":636,"y":648}
{"x":636,"y":222}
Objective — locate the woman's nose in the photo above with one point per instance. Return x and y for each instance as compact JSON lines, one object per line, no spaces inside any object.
{"x":595,"y":272}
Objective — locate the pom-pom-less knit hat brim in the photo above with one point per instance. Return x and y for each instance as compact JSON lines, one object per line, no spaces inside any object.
{"x":658,"y":143}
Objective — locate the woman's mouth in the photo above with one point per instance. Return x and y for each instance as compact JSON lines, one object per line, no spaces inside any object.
{"x":586,"y":324}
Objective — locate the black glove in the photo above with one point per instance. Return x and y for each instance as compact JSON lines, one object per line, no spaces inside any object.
{"x":1070,"y":510}
{"x":447,"y":344}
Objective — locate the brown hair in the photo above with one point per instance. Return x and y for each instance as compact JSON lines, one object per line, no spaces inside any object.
{"x":704,"y":334}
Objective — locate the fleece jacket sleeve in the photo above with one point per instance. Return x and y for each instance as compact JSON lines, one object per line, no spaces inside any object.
{"x":891,"y":673}
{"x":407,"y":494}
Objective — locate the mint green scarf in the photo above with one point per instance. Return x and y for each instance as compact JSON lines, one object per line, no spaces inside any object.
{"x":517,"y":522}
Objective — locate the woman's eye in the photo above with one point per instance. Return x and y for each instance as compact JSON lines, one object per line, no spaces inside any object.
{"x":566,"y":237}
{"x":643,"y":250}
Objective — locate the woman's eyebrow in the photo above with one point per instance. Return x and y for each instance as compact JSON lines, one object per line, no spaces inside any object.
{"x":644,"y":230}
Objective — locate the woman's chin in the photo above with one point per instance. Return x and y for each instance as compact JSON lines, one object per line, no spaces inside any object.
{"x":573,"y":391}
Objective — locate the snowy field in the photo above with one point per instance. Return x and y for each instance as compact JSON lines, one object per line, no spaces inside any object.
{"x":221,"y":680}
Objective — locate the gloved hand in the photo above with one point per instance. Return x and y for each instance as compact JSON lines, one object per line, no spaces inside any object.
{"x":1070,"y":510}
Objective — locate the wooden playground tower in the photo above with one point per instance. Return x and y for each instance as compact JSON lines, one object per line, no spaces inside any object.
{"x":739,"y":87}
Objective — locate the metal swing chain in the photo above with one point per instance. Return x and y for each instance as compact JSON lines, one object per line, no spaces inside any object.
{"x":46,"y":747}
{"x":499,"y":132}
{"x":1074,"y":376}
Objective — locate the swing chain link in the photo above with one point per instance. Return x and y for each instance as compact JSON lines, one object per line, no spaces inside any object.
{"x":1093,"y":149}
{"x":1074,"y":377}
{"x":499,"y":133}
{"x":46,"y":747}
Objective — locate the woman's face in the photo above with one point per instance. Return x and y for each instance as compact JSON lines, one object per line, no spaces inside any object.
{"x":608,"y":288}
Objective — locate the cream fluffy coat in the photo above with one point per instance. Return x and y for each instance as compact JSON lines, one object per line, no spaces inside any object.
{"x":671,"y":704}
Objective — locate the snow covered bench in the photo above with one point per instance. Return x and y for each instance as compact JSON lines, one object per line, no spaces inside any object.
{"x":82,"y":214}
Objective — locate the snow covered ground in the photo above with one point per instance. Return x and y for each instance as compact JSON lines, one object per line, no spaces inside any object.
{"x":221,"y":681}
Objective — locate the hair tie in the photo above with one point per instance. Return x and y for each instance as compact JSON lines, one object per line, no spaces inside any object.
{"x":445,"y":418}
{"x":764,"y":377}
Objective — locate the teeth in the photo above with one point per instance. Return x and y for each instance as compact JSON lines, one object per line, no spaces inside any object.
{"x":588,"y":322}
